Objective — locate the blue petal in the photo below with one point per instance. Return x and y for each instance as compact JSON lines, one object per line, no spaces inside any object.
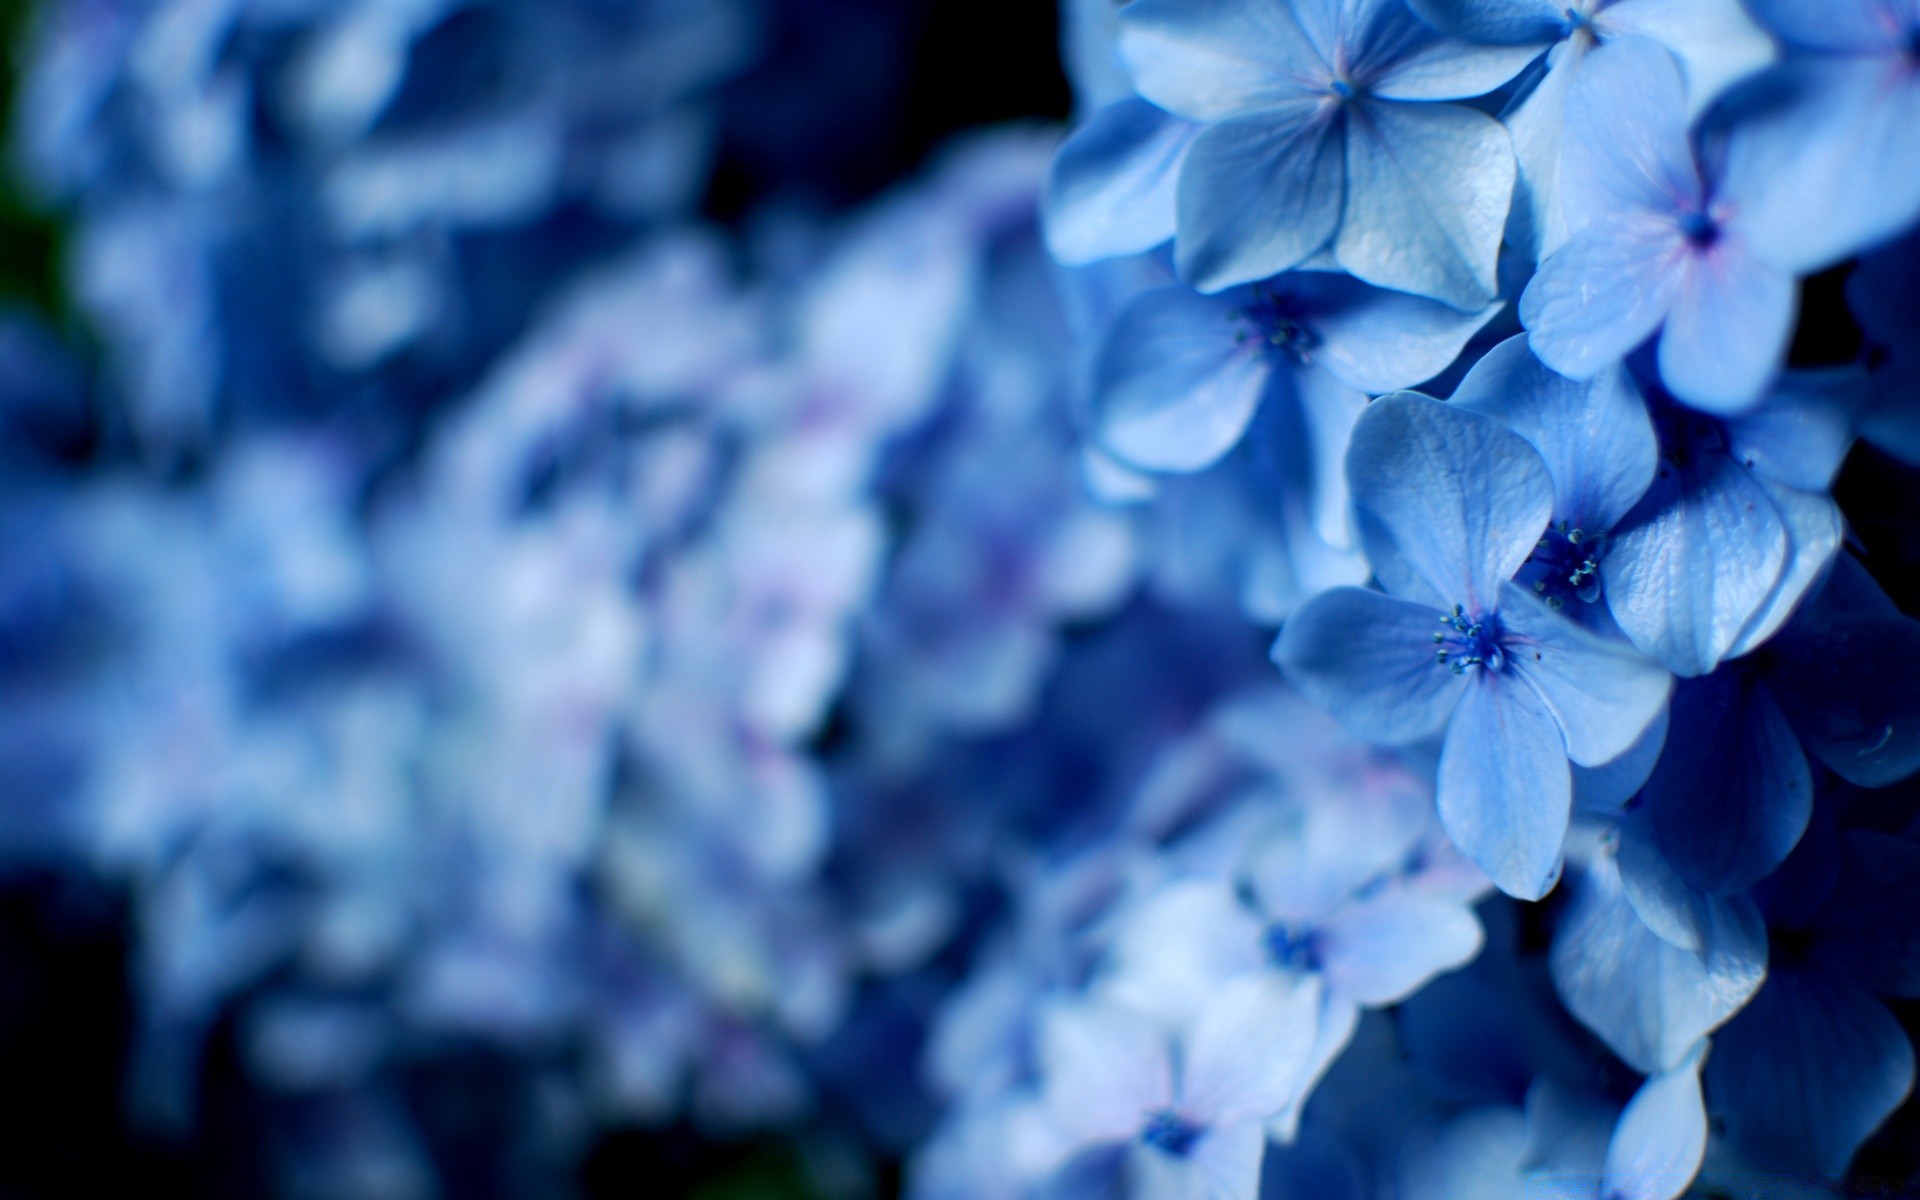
{"x":1814,"y":530}
{"x":1605,"y":789}
{"x":1505,"y":795}
{"x":1716,"y":41}
{"x":1649,"y":1000}
{"x":1800,"y":434}
{"x":1732,"y":794}
{"x":1694,"y":561}
{"x":1449,"y":69}
{"x":1381,"y":341}
{"x":1314,"y":1166}
{"x":1868,"y":928}
{"x":1602,"y":293}
{"x":1259,"y":195}
{"x":1462,"y":498}
{"x":1249,"y":1048}
{"x":1661,"y":1139}
{"x":1368,"y":660}
{"x":1665,"y":902}
{"x":1175,"y":387}
{"x":1427,"y":192}
{"x":1824,"y":168}
{"x":1726,"y":333}
{"x":1110,"y":190}
{"x":1625,"y":143}
{"x":1328,"y":408}
{"x":1596,"y":437}
{"x":1536,"y":119}
{"x":1602,"y":693}
{"x":1499,"y":21}
{"x":1838,"y":26}
{"x":1478,"y":1153}
{"x":1851,"y":684}
{"x":1213,"y":60}
{"x":1808,"y":1071}
{"x":1383,"y":948}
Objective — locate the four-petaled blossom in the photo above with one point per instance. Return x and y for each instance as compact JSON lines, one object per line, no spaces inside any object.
{"x":1450,"y":504}
{"x":1657,"y":242}
{"x":1322,"y":141}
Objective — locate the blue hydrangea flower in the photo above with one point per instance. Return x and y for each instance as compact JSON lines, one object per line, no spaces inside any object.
{"x":1322,"y":138}
{"x":1830,"y":130}
{"x":1451,"y":504}
{"x":1816,"y":1062}
{"x":1716,"y":41}
{"x":1737,"y":525}
{"x":1656,"y":242}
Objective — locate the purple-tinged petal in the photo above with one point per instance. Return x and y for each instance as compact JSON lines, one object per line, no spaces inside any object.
{"x":1214,"y":60}
{"x":1661,"y":1139}
{"x":1694,"y":561}
{"x":1368,"y":660}
{"x":1259,"y":195}
{"x":1102,"y":1069}
{"x":1602,"y":693}
{"x":1726,"y":334}
{"x":1595,"y":436}
{"x":1602,"y":293}
{"x":1110,"y":190}
{"x":1823,"y":169}
{"x":1463,"y":498}
{"x":1249,"y":1047}
{"x":1732,"y":794}
{"x":1428,"y":187}
{"x":1176,"y":386}
{"x":1809,"y":1071}
{"x":1505,"y":795}
{"x":1625,"y":148}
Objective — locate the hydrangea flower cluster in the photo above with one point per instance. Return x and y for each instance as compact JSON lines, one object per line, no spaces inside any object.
{"x":1294,"y":641}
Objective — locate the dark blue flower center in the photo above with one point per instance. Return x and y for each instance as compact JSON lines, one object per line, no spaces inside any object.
{"x":1279,"y":321}
{"x":1572,"y":21}
{"x":1343,"y":90}
{"x":1566,"y":565}
{"x":1463,"y":642}
{"x":1169,"y":1132}
{"x":1292,"y":948}
{"x":1700,"y":229}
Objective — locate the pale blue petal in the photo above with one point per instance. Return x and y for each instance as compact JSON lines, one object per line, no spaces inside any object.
{"x":1595,"y":436}
{"x":1602,"y":293}
{"x":1381,"y":341}
{"x":1625,"y":149}
{"x":1175,"y":387}
{"x":1383,"y":948}
{"x":1800,"y":434}
{"x":1649,"y":1000}
{"x":1228,"y":1159}
{"x":1814,"y":531}
{"x":1498,"y":21}
{"x":1259,"y":195}
{"x":1328,"y":408}
{"x":1102,"y":1069}
{"x":1808,"y":1072}
{"x":1463,"y":498}
{"x":1726,"y":333}
{"x":1110,"y":190}
{"x":1732,"y":794}
{"x":1505,"y":795}
{"x":1536,"y":120}
{"x":1668,"y":904}
{"x":1249,"y":1049}
{"x":1395,"y":574}
{"x":1427,"y":192}
{"x":1450,"y":69}
{"x":1368,"y":659}
{"x":1694,"y":562}
{"x":1602,"y":693}
{"x":1657,"y":1148}
{"x":1717,"y":43}
{"x":1213,"y":60}
{"x":1825,"y":169}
